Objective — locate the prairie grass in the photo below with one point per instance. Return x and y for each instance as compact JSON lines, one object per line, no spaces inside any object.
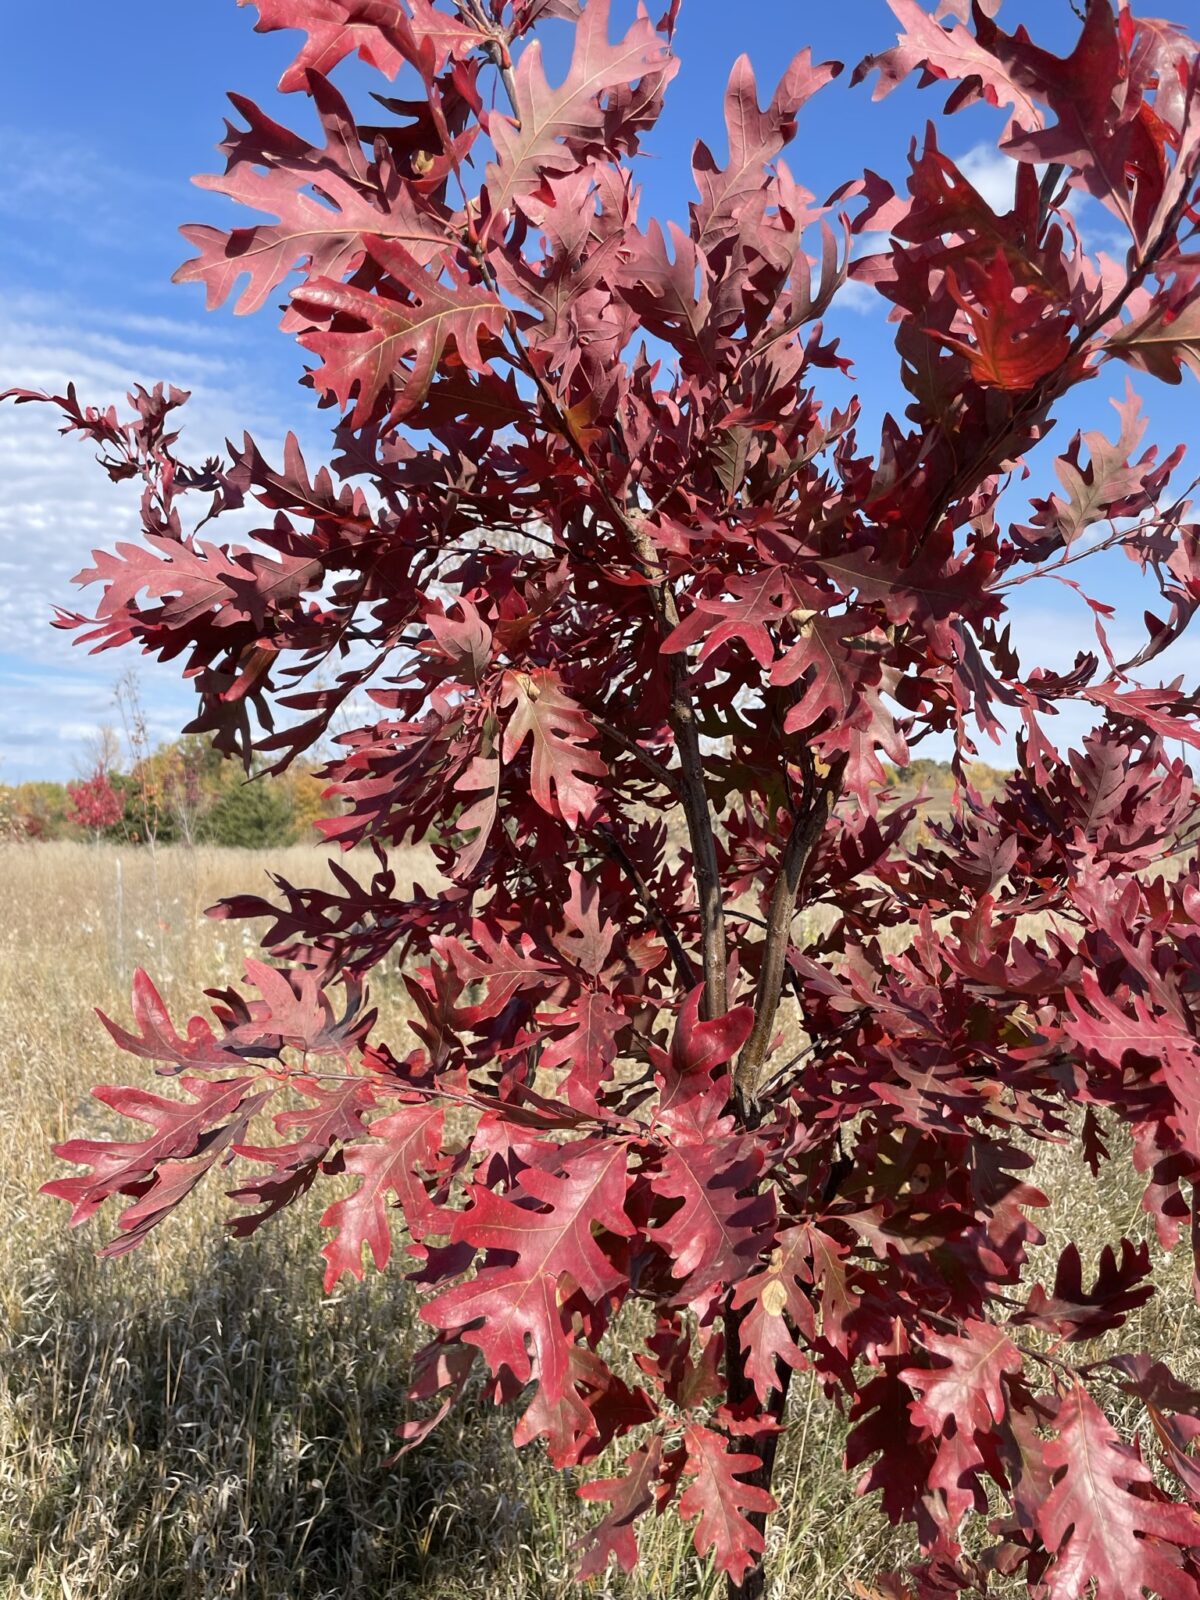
{"x":197,"y":1421}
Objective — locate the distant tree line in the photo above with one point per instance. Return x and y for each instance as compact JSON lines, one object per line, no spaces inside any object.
{"x":938,"y":776}
{"x":181,"y":793}
{"x":186,"y":793}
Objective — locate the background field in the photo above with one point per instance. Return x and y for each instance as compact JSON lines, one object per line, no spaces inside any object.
{"x":197,"y":1420}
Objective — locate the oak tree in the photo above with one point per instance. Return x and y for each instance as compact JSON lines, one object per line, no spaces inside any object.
{"x":93,"y":804}
{"x":596,"y":556}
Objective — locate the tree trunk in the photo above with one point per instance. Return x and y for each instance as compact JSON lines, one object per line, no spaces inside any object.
{"x":754,"y":1585}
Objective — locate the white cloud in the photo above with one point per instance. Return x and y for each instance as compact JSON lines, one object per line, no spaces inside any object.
{"x":992,"y":173}
{"x":65,"y":181}
{"x":57,"y":505}
{"x":860,"y":298}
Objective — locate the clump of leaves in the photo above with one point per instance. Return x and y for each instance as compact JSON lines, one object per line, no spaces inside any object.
{"x":595,"y":552}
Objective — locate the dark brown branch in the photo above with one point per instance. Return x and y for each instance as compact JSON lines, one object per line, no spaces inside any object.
{"x":692,"y":793}
{"x":683,"y":964}
{"x":665,"y":776}
{"x":802,"y":841}
{"x":735,"y":915}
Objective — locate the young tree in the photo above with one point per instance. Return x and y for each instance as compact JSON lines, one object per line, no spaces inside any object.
{"x":253,"y":815}
{"x":596,"y":553}
{"x":184,"y":767}
{"x":94,"y":805}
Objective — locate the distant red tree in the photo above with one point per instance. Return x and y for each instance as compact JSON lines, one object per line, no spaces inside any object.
{"x":93,"y":804}
{"x":597,"y":554}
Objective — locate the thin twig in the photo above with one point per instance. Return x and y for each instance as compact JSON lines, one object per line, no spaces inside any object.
{"x":1118,"y":537}
{"x":652,"y":765}
{"x":497,"y":52}
{"x":745,"y":916}
{"x":650,"y":905}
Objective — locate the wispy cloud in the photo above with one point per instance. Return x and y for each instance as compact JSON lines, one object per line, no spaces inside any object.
{"x":992,"y":173}
{"x":57,"y":505}
{"x":861,"y":299}
{"x":67,"y":182}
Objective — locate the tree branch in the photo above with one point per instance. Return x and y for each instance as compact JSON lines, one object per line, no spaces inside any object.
{"x":968,"y":476}
{"x":694,"y":795}
{"x":802,"y":841}
{"x":683,"y":964}
{"x":665,"y":776}
{"x":692,"y":791}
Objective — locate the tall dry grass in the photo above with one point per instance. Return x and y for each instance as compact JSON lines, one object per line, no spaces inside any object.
{"x":197,"y":1420}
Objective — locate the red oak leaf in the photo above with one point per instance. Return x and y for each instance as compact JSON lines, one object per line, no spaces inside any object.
{"x":157,"y":1039}
{"x":505,"y":968}
{"x":755,"y":138}
{"x":190,"y":1137}
{"x":402,"y":1146}
{"x":295,"y":1012}
{"x":1099,"y":137}
{"x":595,"y":1407}
{"x":190,"y":579}
{"x":334,"y":1117}
{"x":1165,"y":711}
{"x":630,"y":1496}
{"x":718,"y":1218}
{"x":949,"y":54}
{"x":552,"y":123}
{"x":839,"y":1292}
{"x":588,"y":936}
{"x":698,"y":1047}
{"x":1103,"y":1520}
{"x":967,"y":1392}
{"x":777,"y":1302}
{"x":395,"y":343}
{"x":1163,"y":340}
{"x":379,"y":31}
{"x":587,"y":1047}
{"x":1071,"y":1312}
{"x":327,"y":236}
{"x":718,"y":1497}
{"x":758,"y":599}
{"x":561,"y":762}
{"x":543,"y":1235}
{"x":1020,"y":335}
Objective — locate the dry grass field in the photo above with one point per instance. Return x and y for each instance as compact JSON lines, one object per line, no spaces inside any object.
{"x":198,"y":1421}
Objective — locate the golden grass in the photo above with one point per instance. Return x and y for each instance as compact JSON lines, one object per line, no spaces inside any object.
{"x":197,"y":1420}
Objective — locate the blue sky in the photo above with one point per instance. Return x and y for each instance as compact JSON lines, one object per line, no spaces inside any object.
{"x":105,"y":114}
